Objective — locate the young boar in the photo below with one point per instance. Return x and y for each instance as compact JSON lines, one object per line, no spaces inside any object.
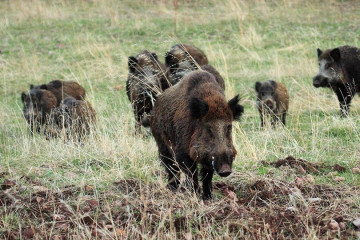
{"x":38,"y":104}
{"x":272,"y":100}
{"x":147,"y":78}
{"x":63,"y":89}
{"x":192,"y":124}
{"x":183,"y":58}
{"x":76,"y":117}
{"x":339,"y":69}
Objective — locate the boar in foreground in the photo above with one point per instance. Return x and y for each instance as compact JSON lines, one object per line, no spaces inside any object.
{"x":272,"y":100}
{"x":183,"y":58}
{"x":75,"y":117}
{"x":339,"y":69}
{"x":63,"y":89}
{"x":38,"y":105}
{"x":147,"y":78}
{"x":192,"y":124}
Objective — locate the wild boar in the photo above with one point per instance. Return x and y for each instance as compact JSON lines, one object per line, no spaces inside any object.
{"x":272,"y":100}
{"x":75,"y":117}
{"x":183,"y":58}
{"x":339,"y":70}
{"x":147,"y":78}
{"x":38,"y":104}
{"x":63,"y":89}
{"x":192,"y":124}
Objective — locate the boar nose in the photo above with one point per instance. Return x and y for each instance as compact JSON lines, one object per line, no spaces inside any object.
{"x":316,"y":81}
{"x":269,"y":103}
{"x":225,"y":170}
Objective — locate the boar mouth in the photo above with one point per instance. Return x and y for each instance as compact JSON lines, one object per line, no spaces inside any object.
{"x":223,"y":172}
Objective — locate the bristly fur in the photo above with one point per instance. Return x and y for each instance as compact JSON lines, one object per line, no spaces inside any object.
{"x":192,"y":123}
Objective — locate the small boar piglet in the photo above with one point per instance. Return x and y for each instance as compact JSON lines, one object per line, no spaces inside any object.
{"x":272,"y":100}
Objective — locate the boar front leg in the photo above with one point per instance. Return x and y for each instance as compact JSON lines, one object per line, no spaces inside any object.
{"x":207,"y":175}
{"x":171,"y":167}
{"x":190,"y":169}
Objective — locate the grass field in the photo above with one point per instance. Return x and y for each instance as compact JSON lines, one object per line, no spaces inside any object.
{"x":113,"y":185}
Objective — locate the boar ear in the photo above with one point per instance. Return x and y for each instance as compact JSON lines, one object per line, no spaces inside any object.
{"x":154,"y":55}
{"x":169,"y":59}
{"x":23,"y":96}
{"x":132,"y":62}
{"x":335,"y":54}
{"x":56,"y":83}
{"x":257,"y":86}
{"x":31,"y":86}
{"x":44,"y":86}
{"x":319,"y":52}
{"x":198,"y":108}
{"x":273,"y":83}
{"x":235,"y":107}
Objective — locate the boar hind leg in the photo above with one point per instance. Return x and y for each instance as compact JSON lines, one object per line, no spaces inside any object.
{"x":207,"y":175}
{"x":171,"y":168}
{"x":189,"y":167}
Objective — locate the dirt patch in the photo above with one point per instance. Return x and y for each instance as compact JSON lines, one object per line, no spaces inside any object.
{"x":136,"y":210}
{"x":304,"y":166}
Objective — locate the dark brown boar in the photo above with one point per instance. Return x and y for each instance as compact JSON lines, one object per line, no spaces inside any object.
{"x":38,"y":104}
{"x":339,"y":70}
{"x":75,"y":117}
{"x":63,"y":89}
{"x":192,"y":124}
{"x":183,"y":58}
{"x":147,"y":78}
{"x":272,"y":100}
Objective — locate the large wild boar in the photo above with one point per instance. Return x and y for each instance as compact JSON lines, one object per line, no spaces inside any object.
{"x":147,"y":78}
{"x":339,"y":69}
{"x":63,"y":89}
{"x":272,"y":100}
{"x":38,"y":105}
{"x":192,"y":124}
{"x":76,"y":117}
{"x":183,"y":58}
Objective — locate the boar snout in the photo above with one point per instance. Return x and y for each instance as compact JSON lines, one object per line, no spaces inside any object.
{"x":319,"y":81}
{"x":222,"y":164}
{"x":269,"y":103}
{"x":225,"y":170}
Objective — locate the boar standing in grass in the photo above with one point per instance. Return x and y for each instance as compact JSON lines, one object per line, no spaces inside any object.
{"x":63,"y":89}
{"x":75,"y":117}
{"x":192,"y":124}
{"x":147,"y":78}
{"x":272,"y":100}
{"x":182,"y":59}
{"x":38,"y":105}
{"x":339,"y":69}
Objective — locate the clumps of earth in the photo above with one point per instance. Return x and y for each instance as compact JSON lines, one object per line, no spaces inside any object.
{"x":245,"y":206}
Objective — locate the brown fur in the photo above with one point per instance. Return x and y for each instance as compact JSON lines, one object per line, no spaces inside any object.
{"x":147,"y":78}
{"x":193,"y":120}
{"x":76,"y":117}
{"x":63,"y":89}
{"x":38,"y":104}
{"x":272,"y":100}
{"x":216,"y":74}
{"x":183,"y":58}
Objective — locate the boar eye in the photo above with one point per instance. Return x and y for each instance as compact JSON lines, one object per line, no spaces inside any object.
{"x":209,"y":131}
{"x":228,"y":130}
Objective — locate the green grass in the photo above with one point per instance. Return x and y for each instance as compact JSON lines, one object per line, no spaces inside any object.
{"x":246,"y":41}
